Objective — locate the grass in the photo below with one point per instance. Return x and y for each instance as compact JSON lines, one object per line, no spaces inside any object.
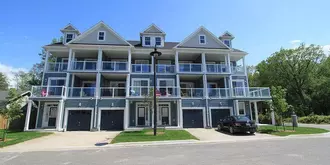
{"x":147,"y":135}
{"x":14,"y":137}
{"x":289,"y":130}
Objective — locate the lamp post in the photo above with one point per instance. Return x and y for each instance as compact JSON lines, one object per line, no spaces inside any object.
{"x":154,"y":54}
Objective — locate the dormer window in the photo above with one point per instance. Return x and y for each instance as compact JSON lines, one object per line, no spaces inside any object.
{"x":147,"y":41}
{"x":227,"y":42}
{"x":202,"y":39}
{"x":158,"y":41}
{"x":69,"y":37}
{"x":101,"y":36}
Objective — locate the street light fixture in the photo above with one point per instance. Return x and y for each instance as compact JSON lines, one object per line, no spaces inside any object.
{"x":154,"y":54}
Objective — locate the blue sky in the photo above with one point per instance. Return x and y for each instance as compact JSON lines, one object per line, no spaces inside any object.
{"x":260,"y":27}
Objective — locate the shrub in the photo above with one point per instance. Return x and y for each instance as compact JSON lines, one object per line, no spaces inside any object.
{"x":314,"y":119}
{"x":267,"y":119}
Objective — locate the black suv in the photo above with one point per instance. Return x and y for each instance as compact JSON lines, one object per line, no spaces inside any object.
{"x":237,"y":124}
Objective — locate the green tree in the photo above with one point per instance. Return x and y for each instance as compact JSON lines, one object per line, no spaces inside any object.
{"x":23,"y":81}
{"x":279,"y":104}
{"x":3,"y":82}
{"x":12,"y":110}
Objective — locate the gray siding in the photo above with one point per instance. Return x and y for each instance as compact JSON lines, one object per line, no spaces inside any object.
{"x":92,"y":38}
{"x":83,"y":103}
{"x":193,"y":103}
{"x":220,"y":103}
{"x":48,"y":75}
{"x":210,"y":42}
{"x":152,"y":29}
{"x":108,"y":103}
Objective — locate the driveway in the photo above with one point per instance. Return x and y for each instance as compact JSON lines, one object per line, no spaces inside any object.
{"x":64,"y":140}
{"x":213,"y":135}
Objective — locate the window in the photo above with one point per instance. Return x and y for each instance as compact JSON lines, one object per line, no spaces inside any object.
{"x":241,"y":108}
{"x":227,"y":42}
{"x":147,"y":41}
{"x":101,"y":36}
{"x":69,"y":37}
{"x":202,"y":39}
{"x":158,"y":41}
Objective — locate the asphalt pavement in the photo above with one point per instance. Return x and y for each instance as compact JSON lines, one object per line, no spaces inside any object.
{"x":286,"y":151}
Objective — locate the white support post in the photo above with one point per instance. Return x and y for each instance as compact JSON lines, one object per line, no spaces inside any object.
{"x":256,"y":112}
{"x":180,"y":117}
{"x":98,"y":85}
{"x":236,"y":107}
{"x":203,"y":63}
{"x":128,"y":86}
{"x":177,"y":61}
{"x":67,"y":80}
{"x":99,"y":60}
{"x":250,"y":110}
{"x":45,"y":68}
{"x":152,"y":65}
{"x":231,"y":86}
{"x":27,"y":116}
{"x":244,"y":66}
{"x":205,"y":87}
{"x":59,"y":115}
{"x":129,"y":60}
{"x":178,"y":85}
{"x":126,"y":115}
{"x":228,"y":62}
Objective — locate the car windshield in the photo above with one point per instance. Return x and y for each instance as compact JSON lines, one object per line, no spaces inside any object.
{"x":241,"y":118}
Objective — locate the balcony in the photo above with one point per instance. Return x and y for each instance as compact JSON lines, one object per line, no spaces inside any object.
{"x":217,"y":68}
{"x":56,"y":66}
{"x":165,"y":68}
{"x":192,"y":92}
{"x":48,"y":91}
{"x":190,"y":67}
{"x":141,"y":68}
{"x":114,"y":66}
{"x":113,"y":92}
{"x":139,"y":91}
{"x":84,"y":65}
{"x":219,"y":92}
{"x":237,"y":70}
{"x":82,"y":92}
{"x":252,"y":92}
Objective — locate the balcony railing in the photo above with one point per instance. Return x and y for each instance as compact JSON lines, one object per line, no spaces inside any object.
{"x":84,"y":65}
{"x":219,"y":92}
{"x":162,"y":91}
{"x":185,"y":67}
{"x":237,"y":70}
{"x":139,"y":91}
{"x":57,"y":66}
{"x":141,"y":68}
{"x":114,"y":66}
{"x":217,"y":68}
{"x":192,"y":92}
{"x":48,"y":91}
{"x":82,"y":92}
{"x":167,"y":91}
{"x":113,"y":92}
{"x":164,"y":68}
{"x":254,"y":92}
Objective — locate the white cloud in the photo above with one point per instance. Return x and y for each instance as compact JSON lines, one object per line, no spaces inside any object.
{"x":326,"y":49}
{"x":10,"y":71}
{"x":295,"y":41}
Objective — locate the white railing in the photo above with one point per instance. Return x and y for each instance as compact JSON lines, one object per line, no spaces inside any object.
{"x":139,"y":91}
{"x":253,"y":92}
{"x":114,"y":66}
{"x":84,"y":65}
{"x":57,"y":66}
{"x":237,"y":70}
{"x":165,"y":68}
{"x":47,"y":91}
{"x":113,"y":92}
{"x":190,"y":67}
{"x":217,"y":68}
{"x":141,"y":68}
{"x":167,"y":91}
{"x":219,"y":92}
{"x":82,"y":91}
{"x":162,"y":91}
{"x":192,"y":92}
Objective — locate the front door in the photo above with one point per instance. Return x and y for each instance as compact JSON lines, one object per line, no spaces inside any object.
{"x":142,"y":115}
{"x":163,"y":114}
{"x":49,"y":115}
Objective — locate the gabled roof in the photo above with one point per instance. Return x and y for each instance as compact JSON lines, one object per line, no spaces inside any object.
{"x":153,"y":29}
{"x":101,"y":23}
{"x":70,"y":27}
{"x":202,"y":28}
{"x":167,"y":45}
{"x":226,"y":34}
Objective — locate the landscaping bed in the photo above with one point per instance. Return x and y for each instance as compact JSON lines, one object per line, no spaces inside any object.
{"x":147,"y":135}
{"x":14,"y":137}
{"x":289,"y":130}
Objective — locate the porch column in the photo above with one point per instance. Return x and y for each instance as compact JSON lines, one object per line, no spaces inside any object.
{"x":177,"y":61}
{"x":180,"y":117}
{"x":205,"y":86}
{"x":178,"y":85}
{"x":59,"y":115}
{"x":126,"y":115}
{"x":231,"y":86}
{"x":128,"y":82}
{"x":99,"y":60}
{"x":203,"y":63}
{"x":256,"y":111}
{"x":236,"y":107}
{"x":67,"y":80}
{"x":45,"y":67}
{"x":27,"y":116}
{"x":129,"y":60}
{"x":228,"y":62}
{"x":152,"y":65}
{"x":244,"y":66}
{"x":250,"y":110}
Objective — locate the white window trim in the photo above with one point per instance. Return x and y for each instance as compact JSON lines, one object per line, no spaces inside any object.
{"x":136,"y":114}
{"x":98,"y":35}
{"x":145,"y":41}
{"x":162,"y":79}
{"x":160,"y":41}
{"x":169,"y":112}
{"x":229,"y":42}
{"x":243,"y":108}
{"x":139,"y":79}
{"x":199,"y":39}
{"x":55,"y":78}
{"x":46,"y":105}
{"x":66,"y":37}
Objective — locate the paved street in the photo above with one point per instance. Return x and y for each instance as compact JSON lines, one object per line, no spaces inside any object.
{"x":291,"y":151}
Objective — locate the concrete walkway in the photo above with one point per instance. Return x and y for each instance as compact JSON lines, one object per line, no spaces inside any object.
{"x":64,"y":140}
{"x":213,"y":135}
{"x":324,"y":126}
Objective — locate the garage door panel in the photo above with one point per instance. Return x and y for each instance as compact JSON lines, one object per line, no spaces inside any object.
{"x":193,"y":118}
{"x":79,"y":120}
{"x":112,"y":119}
{"x":218,"y":114}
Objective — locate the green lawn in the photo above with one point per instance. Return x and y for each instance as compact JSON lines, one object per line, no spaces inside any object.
{"x":147,"y":135}
{"x":289,"y":130}
{"x":14,"y":137}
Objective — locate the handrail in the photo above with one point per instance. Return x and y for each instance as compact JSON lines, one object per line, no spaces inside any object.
{"x":114,"y":65}
{"x":217,"y":68}
{"x":112,"y":92}
{"x":193,"y":67}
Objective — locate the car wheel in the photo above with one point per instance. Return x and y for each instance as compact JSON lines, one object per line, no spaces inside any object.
{"x":231,"y":130}
{"x":252,"y":132}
